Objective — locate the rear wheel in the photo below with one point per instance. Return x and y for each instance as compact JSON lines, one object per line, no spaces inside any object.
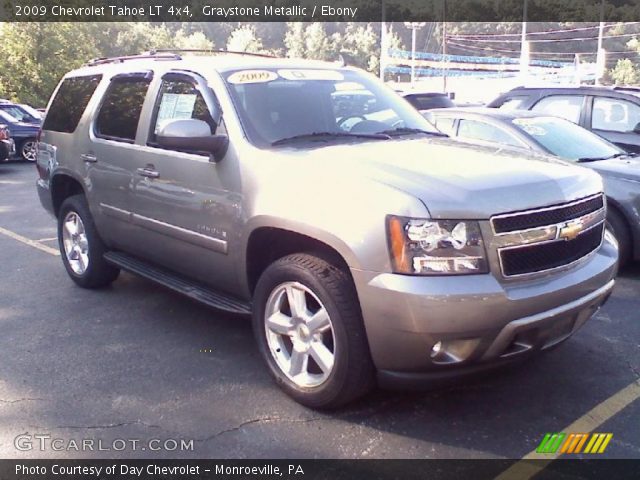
{"x":81,"y":247}
{"x":309,"y":329}
{"x":618,"y":226}
{"x":27,"y":150}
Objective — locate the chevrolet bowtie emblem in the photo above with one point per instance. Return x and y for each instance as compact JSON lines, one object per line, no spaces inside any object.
{"x":570,"y":230}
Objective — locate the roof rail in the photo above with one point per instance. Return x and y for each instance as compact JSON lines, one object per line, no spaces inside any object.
{"x":150,"y":55}
{"x":630,"y":88}
{"x":210,"y":51}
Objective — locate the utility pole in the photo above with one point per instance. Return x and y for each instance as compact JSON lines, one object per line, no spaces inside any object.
{"x":384,"y":45}
{"x":600,"y":54}
{"x":414,"y":26}
{"x":445,"y":65}
{"x":524,"y":46}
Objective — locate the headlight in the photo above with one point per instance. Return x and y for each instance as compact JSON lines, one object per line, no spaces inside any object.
{"x":435,"y":247}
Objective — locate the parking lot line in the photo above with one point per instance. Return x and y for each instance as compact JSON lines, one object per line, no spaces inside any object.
{"x":591,"y":420}
{"x":28,"y":241}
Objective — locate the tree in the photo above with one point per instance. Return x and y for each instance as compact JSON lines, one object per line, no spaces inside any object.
{"x":244,"y":39}
{"x":624,"y":73}
{"x":34,"y":56}
{"x":294,"y":40}
{"x":317,"y":44}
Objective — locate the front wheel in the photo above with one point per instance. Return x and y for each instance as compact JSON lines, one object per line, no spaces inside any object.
{"x":309,"y":329}
{"x":81,"y":247}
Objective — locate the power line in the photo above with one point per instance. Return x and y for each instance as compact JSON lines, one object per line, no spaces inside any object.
{"x":546,"y":40}
{"x":491,"y":49}
{"x":473,"y":36}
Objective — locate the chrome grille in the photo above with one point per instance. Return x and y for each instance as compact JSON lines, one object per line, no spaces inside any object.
{"x":546,"y":216}
{"x":544,"y":239}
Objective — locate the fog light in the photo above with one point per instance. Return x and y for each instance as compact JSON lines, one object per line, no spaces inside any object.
{"x":453,"y":351}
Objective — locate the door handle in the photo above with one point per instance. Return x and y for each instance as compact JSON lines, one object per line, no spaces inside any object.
{"x":89,"y":158}
{"x":148,"y":172}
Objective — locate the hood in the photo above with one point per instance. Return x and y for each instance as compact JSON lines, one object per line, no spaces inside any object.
{"x":452,"y":179}
{"x":626,"y":168}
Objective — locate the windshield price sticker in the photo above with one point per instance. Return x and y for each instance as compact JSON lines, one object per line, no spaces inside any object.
{"x":311,"y":75}
{"x":252,"y":76}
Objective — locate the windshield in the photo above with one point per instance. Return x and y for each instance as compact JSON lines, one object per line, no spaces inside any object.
{"x":279,"y":104}
{"x":6,"y":117}
{"x":18,"y":113}
{"x":31,"y":111}
{"x":566,"y":139}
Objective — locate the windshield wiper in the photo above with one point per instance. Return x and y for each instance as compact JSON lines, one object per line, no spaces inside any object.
{"x":319,"y":135}
{"x":409,"y":131}
{"x":597,"y":159}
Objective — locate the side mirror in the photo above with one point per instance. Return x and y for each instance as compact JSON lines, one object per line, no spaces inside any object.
{"x":192,"y":135}
{"x":636,"y":129}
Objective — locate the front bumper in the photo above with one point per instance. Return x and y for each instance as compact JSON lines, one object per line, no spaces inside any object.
{"x":479,"y":321}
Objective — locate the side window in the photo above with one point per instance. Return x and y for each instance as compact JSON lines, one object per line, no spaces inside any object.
{"x":614,"y":115}
{"x":69,"y":103}
{"x":120,"y":110}
{"x":513,"y":103}
{"x":445,"y":125}
{"x":474,"y":130}
{"x":563,"y":106}
{"x":179,"y":99}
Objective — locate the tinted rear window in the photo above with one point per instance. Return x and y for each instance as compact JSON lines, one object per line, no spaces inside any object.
{"x":120,"y":110}
{"x":69,"y":103}
{"x":427,"y":102}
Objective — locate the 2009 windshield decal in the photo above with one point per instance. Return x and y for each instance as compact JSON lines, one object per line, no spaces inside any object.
{"x":260,"y":76}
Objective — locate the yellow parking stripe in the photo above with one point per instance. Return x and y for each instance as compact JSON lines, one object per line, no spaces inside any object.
{"x":591,"y":420}
{"x":606,"y":442}
{"x":28,"y":241}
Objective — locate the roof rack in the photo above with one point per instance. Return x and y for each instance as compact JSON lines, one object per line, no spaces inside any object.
{"x":209,"y":50}
{"x":629,"y":88}
{"x":149,"y":55}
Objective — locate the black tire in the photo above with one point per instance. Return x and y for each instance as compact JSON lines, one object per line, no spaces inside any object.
{"x":98,"y":273}
{"x":20,"y":149}
{"x":620,"y":229}
{"x":353,"y":373}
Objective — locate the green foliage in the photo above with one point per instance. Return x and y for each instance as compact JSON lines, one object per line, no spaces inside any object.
{"x":624,"y":73}
{"x":33,"y":57}
{"x":244,"y":39}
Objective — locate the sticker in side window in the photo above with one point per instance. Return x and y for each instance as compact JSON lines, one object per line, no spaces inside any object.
{"x":252,"y":76}
{"x":309,"y":74}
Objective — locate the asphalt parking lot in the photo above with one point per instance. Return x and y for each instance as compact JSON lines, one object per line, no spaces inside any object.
{"x":136,"y":361}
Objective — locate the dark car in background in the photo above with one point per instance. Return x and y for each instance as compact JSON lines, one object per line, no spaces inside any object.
{"x":24,"y":135}
{"x":22,"y":113}
{"x":611,"y":112}
{"x":423,"y":101}
{"x":521,"y":129}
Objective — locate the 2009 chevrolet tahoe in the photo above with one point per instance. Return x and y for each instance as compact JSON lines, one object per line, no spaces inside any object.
{"x":367,"y":246}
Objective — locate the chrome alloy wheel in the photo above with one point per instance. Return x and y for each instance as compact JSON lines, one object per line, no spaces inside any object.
{"x":29,"y":151}
{"x":300,"y":334}
{"x":75,"y":244}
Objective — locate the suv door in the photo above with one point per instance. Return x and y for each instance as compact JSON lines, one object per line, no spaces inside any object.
{"x":617,"y":120}
{"x":109,"y":151}
{"x":185,"y":205}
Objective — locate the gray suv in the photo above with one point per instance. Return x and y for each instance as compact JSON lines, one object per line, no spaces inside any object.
{"x":368,"y":247}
